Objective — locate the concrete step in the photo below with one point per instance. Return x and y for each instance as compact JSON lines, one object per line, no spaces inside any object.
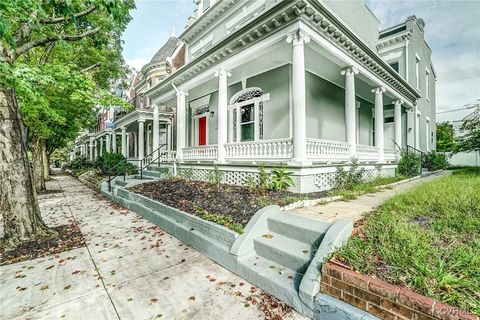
{"x":151,"y":174}
{"x":156,"y":168}
{"x":297,"y":227}
{"x":273,"y":278}
{"x":287,"y":252}
{"x":120,"y":182}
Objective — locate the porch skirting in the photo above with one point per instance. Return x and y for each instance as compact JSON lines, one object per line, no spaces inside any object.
{"x":308,"y":179}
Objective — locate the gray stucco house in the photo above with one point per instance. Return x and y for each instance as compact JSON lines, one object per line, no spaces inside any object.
{"x":307,"y":84}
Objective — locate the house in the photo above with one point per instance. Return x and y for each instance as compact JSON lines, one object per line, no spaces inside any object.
{"x":305,"y":84}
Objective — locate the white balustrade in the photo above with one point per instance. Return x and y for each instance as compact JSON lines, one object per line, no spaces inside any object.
{"x":367,"y":153}
{"x":329,"y":151}
{"x":266,"y":149}
{"x":168,"y":156}
{"x":390,"y":155}
{"x":200,"y":153}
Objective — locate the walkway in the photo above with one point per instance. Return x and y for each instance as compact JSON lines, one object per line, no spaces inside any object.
{"x":129,"y":269}
{"x":357,"y":208}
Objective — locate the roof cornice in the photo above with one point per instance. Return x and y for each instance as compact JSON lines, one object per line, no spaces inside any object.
{"x":393,"y":39}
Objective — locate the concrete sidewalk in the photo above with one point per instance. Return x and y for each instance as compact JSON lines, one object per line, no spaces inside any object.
{"x":357,"y":208}
{"x":129,"y":269}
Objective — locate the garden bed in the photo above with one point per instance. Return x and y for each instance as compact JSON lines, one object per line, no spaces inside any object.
{"x":236,"y":203}
{"x":426,"y":239}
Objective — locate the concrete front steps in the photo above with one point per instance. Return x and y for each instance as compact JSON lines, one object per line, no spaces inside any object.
{"x":279,"y":252}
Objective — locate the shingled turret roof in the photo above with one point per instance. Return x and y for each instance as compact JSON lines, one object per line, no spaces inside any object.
{"x":167,"y":50}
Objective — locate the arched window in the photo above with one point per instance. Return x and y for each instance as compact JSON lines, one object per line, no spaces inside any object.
{"x":246,"y":114}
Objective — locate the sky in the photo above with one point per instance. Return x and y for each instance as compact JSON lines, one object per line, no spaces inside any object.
{"x":452,"y":31}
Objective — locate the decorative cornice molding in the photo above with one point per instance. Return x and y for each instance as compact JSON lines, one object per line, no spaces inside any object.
{"x":382,"y":43}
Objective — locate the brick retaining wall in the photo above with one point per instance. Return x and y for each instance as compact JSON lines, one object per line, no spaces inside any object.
{"x":382,"y":299}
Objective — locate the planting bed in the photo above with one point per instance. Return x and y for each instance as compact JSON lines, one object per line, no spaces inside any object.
{"x":237,"y":202}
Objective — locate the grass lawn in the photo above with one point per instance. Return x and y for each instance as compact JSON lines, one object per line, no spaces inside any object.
{"x":366,"y":187}
{"x":427,"y":239}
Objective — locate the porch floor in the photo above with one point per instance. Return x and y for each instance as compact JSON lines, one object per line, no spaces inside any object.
{"x":356,"y":209}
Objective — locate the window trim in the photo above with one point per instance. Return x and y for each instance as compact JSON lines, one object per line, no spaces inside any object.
{"x":427,"y":84}
{"x":417,"y":71}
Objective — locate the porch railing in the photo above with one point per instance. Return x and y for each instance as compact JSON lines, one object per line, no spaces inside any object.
{"x":367,"y":153}
{"x":267,"y":149}
{"x":168,"y":156}
{"x":327,"y":150}
{"x":200,"y":153}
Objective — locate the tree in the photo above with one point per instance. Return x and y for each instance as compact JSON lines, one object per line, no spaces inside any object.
{"x":28,"y":27}
{"x":471,"y":123}
{"x":445,"y":139}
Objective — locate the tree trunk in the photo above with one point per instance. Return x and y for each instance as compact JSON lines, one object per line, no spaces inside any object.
{"x":18,"y":202}
{"x":37,"y":146}
{"x":46,"y":162}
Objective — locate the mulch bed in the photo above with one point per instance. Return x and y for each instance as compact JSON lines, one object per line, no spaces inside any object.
{"x":241,"y":203}
{"x":69,"y":237}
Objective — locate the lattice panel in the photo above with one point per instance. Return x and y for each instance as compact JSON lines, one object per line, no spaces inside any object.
{"x":229,"y":177}
{"x":200,"y":174}
{"x":325,"y":181}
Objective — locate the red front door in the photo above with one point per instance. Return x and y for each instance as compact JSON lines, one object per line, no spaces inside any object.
{"x":202,"y":131}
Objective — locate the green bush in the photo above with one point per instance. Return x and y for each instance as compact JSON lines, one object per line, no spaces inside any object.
{"x":410,"y":164}
{"x":78,"y":163}
{"x":281,"y":179}
{"x":216,"y":176}
{"x":435,"y":161}
{"x":278,"y":179}
{"x":348,"y":179}
{"x":114,"y":164}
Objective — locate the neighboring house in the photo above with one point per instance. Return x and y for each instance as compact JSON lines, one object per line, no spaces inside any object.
{"x":305,"y":84}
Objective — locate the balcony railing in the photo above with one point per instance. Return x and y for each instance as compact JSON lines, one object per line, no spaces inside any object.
{"x":328,"y":151}
{"x":200,"y":153}
{"x":367,"y":153}
{"x":267,"y":149}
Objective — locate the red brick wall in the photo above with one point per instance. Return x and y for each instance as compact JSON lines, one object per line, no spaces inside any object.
{"x":382,"y":299}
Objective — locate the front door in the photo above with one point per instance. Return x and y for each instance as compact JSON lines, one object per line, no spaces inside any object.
{"x":202,"y":131}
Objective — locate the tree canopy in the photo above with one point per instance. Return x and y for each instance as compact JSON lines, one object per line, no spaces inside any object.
{"x":471,"y":140}
{"x":445,"y":137}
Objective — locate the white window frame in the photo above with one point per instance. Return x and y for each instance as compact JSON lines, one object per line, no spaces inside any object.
{"x":427,"y":84}
{"x":427,"y":137}
{"x":203,"y":102}
{"x":417,"y":71}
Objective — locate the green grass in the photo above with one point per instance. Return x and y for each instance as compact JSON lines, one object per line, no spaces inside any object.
{"x":366,"y":187}
{"x":427,"y":239}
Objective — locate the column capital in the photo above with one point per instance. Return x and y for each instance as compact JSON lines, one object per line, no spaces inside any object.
{"x":223,"y":73}
{"x":350,"y":71}
{"x":123,"y":129}
{"x":399,"y":102}
{"x":141,"y":120}
{"x":379,"y":90}
{"x":298,"y":38}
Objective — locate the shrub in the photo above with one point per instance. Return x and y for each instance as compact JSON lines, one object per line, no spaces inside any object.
{"x":348,"y":179}
{"x":409,"y":164}
{"x":216,"y":176}
{"x":78,"y":163}
{"x":114,"y":164}
{"x":263,"y":179}
{"x":281,"y":179}
{"x":435,"y":161}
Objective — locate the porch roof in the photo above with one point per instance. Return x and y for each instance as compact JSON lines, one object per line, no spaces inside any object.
{"x":279,"y":16}
{"x":142,"y":115}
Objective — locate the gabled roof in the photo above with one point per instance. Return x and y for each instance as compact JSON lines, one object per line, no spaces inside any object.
{"x":167,"y":50}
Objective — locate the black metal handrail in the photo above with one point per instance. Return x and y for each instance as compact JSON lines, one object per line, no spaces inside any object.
{"x":144,"y":163}
{"x":417,"y":152}
{"x":110,"y":177}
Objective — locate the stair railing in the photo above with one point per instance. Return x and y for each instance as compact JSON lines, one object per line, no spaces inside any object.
{"x":417,"y":152}
{"x":147,"y":161}
{"x":112,"y":175}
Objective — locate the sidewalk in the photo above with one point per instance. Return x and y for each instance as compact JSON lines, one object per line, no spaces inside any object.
{"x":357,"y":208}
{"x":129,"y":269}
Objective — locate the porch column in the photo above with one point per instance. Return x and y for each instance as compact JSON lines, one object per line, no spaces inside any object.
{"x":101,"y":146}
{"x":114,"y":141}
{"x":107,"y":137}
{"x":222,"y":110}
{"x":156,"y":132}
{"x":95,"y":146}
{"x":91,"y":150}
{"x":169,"y":136}
{"x":398,"y":122}
{"x":298,"y":40}
{"x":379,"y":121}
{"x":141,"y":139}
{"x":124,"y":142}
{"x":181,"y":109}
{"x":350,"y":109}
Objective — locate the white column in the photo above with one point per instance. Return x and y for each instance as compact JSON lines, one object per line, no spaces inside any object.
{"x":181,"y":109}
{"x":124,"y":142}
{"x":298,"y":40}
{"x":156,"y":131}
{"x":169,"y":136}
{"x":135,"y":145}
{"x":141,"y":139}
{"x":114,"y":141}
{"x":91,"y":150}
{"x":350,"y":110}
{"x":222,"y":110}
{"x":95,"y":146}
{"x":101,"y":146}
{"x":107,"y":137}
{"x":397,"y":113}
{"x":379,"y":121}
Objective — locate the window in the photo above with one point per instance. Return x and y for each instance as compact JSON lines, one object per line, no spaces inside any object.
{"x":427,"y":85}
{"x":247,"y":123}
{"x":206,"y":5}
{"x":247,"y":115}
{"x":395,"y":66}
{"x":417,"y":72}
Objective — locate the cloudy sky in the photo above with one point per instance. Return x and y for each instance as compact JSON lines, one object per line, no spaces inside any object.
{"x":452,"y":31}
